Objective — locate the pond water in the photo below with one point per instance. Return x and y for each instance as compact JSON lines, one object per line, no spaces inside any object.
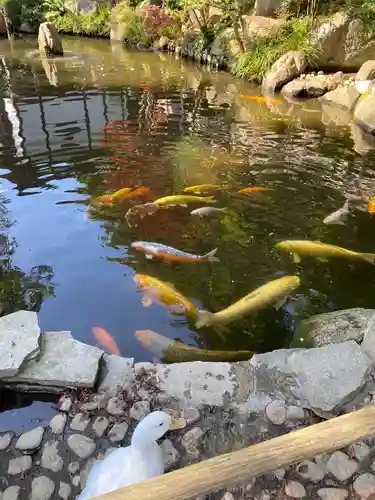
{"x":107,"y":118}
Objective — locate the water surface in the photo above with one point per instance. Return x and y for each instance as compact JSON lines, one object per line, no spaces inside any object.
{"x":108,"y":118}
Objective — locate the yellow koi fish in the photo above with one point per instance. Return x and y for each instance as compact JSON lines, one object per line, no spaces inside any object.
{"x":274,"y":291}
{"x":183,"y":200}
{"x":204,"y":188}
{"x":321,"y":251}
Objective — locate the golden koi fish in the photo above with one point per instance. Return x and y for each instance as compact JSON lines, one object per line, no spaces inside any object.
{"x":321,"y":250}
{"x":183,"y":200}
{"x":204,"y":188}
{"x":274,"y":291}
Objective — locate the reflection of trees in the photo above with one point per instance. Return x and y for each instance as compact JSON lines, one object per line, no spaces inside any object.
{"x":18,"y":289}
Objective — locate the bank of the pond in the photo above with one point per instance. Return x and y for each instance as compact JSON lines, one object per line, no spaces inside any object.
{"x":226,"y":406}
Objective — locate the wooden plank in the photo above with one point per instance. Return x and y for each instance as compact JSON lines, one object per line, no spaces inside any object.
{"x":238,"y":467}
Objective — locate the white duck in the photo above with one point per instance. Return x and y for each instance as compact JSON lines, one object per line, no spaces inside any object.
{"x":141,"y":460}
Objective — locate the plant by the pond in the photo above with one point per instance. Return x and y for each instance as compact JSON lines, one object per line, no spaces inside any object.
{"x":292,"y":35}
{"x":93,"y":24}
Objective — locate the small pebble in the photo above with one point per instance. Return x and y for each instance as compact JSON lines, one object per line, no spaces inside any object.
{"x":19,"y":465}
{"x":57,"y":424}
{"x":360,"y":451}
{"x":5,"y":440}
{"x":64,"y":490}
{"x":81,"y":445}
{"x":65,"y":404}
{"x":100,"y":425}
{"x":11,"y":493}
{"x":93,"y":404}
{"x":31,"y":440}
{"x":51,"y":459}
{"x":276,"y":412}
{"x":364,"y":485}
{"x":118,"y":431}
{"x":73,"y":467}
{"x":139,"y":410}
{"x":333,"y":493}
{"x":295,"y":490}
{"x":341,"y":466}
{"x":79,"y":422}
{"x":42,"y":488}
{"x":279,"y":474}
{"x":76,"y":481}
{"x":311,"y":471}
{"x":116,"y":406}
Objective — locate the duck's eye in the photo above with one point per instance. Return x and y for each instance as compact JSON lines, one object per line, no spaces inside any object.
{"x":161,"y":424}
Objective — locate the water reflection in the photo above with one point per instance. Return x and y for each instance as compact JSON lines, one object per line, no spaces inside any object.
{"x":77,"y":128}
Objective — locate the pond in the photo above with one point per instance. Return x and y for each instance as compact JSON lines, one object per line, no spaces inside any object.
{"x":106,"y":118}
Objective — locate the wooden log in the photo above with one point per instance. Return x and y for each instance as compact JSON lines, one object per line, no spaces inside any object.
{"x":238,"y":467}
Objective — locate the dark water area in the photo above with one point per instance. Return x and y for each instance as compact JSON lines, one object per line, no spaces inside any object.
{"x":80,"y":127}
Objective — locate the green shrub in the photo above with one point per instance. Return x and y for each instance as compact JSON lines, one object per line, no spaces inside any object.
{"x":131,"y":22}
{"x":293,"y":35}
{"x":94,"y":24}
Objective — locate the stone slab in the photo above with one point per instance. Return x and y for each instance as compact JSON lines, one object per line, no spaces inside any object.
{"x":19,"y":341}
{"x":321,"y":379}
{"x":63,"y":362}
{"x":116,"y":373}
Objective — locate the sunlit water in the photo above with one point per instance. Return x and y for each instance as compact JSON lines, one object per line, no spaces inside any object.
{"x":107,"y":118}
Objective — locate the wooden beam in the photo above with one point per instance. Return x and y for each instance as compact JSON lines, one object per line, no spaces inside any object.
{"x":238,"y":467}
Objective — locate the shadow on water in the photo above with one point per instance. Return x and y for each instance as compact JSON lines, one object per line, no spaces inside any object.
{"x":81,"y":127}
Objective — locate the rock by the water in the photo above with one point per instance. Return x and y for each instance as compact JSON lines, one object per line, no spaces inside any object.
{"x":19,"y":465}
{"x":286,"y":68}
{"x":82,"y":446}
{"x":116,"y":406}
{"x":118,"y":431}
{"x":335,"y":327}
{"x":31,"y":440}
{"x":49,"y":41}
{"x":100,"y":425}
{"x":170,"y":455}
{"x":64,"y":490}
{"x":364,"y":114}
{"x":42,"y":488}
{"x":295,"y":413}
{"x":139,"y":410}
{"x":51,"y":459}
{"x":366,"y":71}
{"x":295,"y":490}
{"x":360,"y":451}
{"x":191,"y":415}
{"x":363,"y":143}
{"x":341,"y":466}
{"x":61,"y":364}
{"x":79,"y":422}
{"x":191,"y":439}
{"x":116,"y":372}
{"x":311,"y":471}
{"x":11,"y":493}
{"x":276,"y":412}
{"x":321,"y":379}
{"x":345,"y":97}
{"x":5,"y":440}
{"x":73,"y":467}
{"x":19,"y":341}
{"x":295,"y":89}
{"x":65,"y":404}
{"x":57,"y":424}
{"x":364,"y":485}
{"x":333,"y":493}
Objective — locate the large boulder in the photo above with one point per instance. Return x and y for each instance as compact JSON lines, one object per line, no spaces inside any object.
{"x":344,"y":96}
{"x":287,"y":67}
{"x":364,"y":112}
{"x":308,"y":87}
{"x":342,"y":43}
{"x":366,"y":71}
{"x":256,"y":28}
{"x":363,"y":143}
{"x":49,"y":40}
{"x":266,"y":7}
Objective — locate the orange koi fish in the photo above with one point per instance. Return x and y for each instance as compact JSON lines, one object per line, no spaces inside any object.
{"x":259,"y":98}
{"x":108,"y":199}
{"x":163,"y":252}
{"x":139,"y":192}
{"x":106,"y":340}
{"x":371,"y":206}
{"x":252,"y":189}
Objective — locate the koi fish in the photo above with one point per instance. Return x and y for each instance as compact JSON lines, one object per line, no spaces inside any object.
{"x":139,"y":192}
{"x":155,"y":290}
{"x":252,"y":189}
{"x":371,"y":205}
{"x":321,"y":250}
{"x":171,"y":351}
{"x":274,"y":291}
{"x":108,"y":199}
{"x":340,"y":216}
{"x":140,"y":211}
{"x":106,"y":340}
{"x":202,"y":212}
{"x":204,"y":188}
{"x":183,"y":200}
{"x":164,"y":252}
{"x":259,"y":98}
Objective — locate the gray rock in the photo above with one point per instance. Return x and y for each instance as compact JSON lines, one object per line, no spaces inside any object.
{"x":19,"y":341}
{"x":364,"y":485}
{"x":295,"y":413}
{"x":65,"y":404}
{"x":11,"y":493}
{"x":50,"y":457}
{"x":276,"y":412}
{"x":321,"y":379}
{"x":191,"y":415}
{"x":96,"y":401}
{"x":287,"y":67}
{"x":335,"y":327}
{"x":311,"y":471}
{"x":100,"y":425}
{"x":368,"y":344}
{"x":279,"y":474}
{"x":61,"y":364}
{"x":29,"y":441}
{"x":5,"y":440}
{"x":116,"y":372}
{"x":79,"y":422}
{"x":341,"y":466}
{"x":295,"y":89}
{"x":76,"y":481}
{"x":42,"y":488}
{"x":85,"y":472}
{"x":227,"y":496}
{"x":81,"y":445}
{"x":359,"y":451}
{"x":73,"y":467}
{"x":118,"y":431}
{"x":49,"y":41}
{"x":64,"y":490}
{"x":139,"y":410}
{"x":333,"y":493}
{"x":295,"y":489}
{"x":116,"y":406}
{"x":170,"y":455}
{"x":19,"y":465}
{"x":344,"y":97}
{"x":57,"y":424}
{"x":366,"y":71}
{"x":191,"y":439}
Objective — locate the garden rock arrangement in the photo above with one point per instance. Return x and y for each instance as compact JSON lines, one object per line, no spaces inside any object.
{"x":226,"y":405}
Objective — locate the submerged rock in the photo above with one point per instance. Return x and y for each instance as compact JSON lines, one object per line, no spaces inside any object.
{"x":49,"y":41}
{"x":345,"y":97}
{"x":335,"y":327}
{"x":286,"y":68}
